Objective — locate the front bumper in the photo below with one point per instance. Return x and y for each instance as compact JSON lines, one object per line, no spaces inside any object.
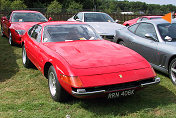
{"x":119,"y":87}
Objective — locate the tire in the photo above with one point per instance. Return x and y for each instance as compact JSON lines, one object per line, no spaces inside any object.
{"x":26,"y":62}
{"x":10,"y":39}
{"x":2,"y":34}
{"x":57,"y":92}
{"x":122,"y":43}
{"x":172,"y":71}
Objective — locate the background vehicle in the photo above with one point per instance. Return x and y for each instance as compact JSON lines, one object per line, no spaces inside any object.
{"x":142,"y":18}
{"x":18,"y":22}
{"x":155,"y":40}
{"x":75,"y":60}
{"x":101,"y":22}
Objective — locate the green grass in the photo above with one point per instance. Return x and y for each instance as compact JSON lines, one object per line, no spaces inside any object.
{"x":24,"y":94}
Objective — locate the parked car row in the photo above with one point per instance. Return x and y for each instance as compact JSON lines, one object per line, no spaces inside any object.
{"x":75,"y":59}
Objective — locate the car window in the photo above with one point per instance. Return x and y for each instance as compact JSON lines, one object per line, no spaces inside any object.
{"x":144,"y":19}
{"x":145,"y":28}
{"x":36,"y":33}
{"x":97,"y":17}
{"x":28,"y":17}
{"x":30,"y":30}
{"x":139,"y":20}
{"x":80,"y":16}
{"x":132,"y":28}
{"x":69,"y":32}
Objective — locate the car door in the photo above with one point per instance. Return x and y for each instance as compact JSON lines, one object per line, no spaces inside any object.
{"x":147,"y":47}
{"x":33,"y":44}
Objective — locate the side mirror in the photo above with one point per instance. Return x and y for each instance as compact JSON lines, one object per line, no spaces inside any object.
{"x":78,"y":20}
{"x":49,"y":19}
{"x":150,"y":36}
{"x":117,"y":21}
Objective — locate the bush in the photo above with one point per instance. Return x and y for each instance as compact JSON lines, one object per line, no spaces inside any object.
{"x":74,"y":7}
{"x":5,"y":5}
{"x":17,"y":5}
{"x":54,"y":7}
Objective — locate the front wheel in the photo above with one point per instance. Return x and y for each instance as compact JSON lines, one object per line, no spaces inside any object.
{"x":172,"y":71}
{"x":26,"y":62}
{"x":56,"y":90}
{"x":2,"y":31}
{"x":10,"y":39}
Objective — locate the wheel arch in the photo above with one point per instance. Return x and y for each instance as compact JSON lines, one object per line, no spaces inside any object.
{"x":118,"y":40}
{"x":46,"y":68}
{"x":170,"y":60}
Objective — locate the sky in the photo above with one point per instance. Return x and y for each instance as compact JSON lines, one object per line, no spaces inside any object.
{"x":161,"y":2}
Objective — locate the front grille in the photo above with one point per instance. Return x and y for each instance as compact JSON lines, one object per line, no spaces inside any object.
{"x":121,"y":86}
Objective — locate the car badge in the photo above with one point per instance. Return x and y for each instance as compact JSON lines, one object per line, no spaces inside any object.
{"x":120,"y":76}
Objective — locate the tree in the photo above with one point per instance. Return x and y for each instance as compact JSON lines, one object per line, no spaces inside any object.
{"x":74,"y":7}
{"x":4,"y":5}
{"x":17,"y":5}
{"x":54,"y":7}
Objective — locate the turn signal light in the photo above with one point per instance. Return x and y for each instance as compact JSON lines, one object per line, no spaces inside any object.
{"x":72,"y":80}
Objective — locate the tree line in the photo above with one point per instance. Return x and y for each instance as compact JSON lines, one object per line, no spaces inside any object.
{"x":73,"y":6}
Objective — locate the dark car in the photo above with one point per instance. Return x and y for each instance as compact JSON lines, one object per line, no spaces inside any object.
{"x":155,"y":40}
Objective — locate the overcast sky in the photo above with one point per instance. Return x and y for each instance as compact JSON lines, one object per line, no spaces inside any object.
{"x":161,"y":2}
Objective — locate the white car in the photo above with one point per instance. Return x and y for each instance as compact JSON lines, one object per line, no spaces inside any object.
{"x":101,"y":22}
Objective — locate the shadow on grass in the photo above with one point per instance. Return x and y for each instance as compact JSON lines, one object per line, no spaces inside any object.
{"x":144,"y":100}
{"x":8,"y":65}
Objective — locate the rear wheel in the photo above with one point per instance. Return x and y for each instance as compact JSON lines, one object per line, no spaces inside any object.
{"x":122,"y":43}
{"x":10,"y":39}
{"x":2,"y":34}
{"x":56,"y":90}
{"x":172,"y":71}
{"x":26,"y":62}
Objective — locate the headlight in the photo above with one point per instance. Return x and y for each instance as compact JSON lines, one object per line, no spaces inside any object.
{"x":20,"y":32}
{"x":72,"y":80}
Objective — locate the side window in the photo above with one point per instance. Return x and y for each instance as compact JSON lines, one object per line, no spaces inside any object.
{"x":30,"y":30}
{"x":139,"y":20}
{"x":79,"y":16}
{"x":133,"y":28}
{"x":36,"y":33}
{"x":145,"y":28}
{"x":143,"y":19}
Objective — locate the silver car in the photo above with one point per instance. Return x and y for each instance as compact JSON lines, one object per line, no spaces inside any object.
{"x":155,"y":40}
{"x":101,"y":22}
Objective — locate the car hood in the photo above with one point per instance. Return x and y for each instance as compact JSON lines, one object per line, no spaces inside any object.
{"x":105,"y":28}
{"x":22,"y":25}
{"x":93,"y":54}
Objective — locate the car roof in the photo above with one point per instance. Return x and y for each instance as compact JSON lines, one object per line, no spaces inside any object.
{"x":151,"y":16}
{"x":27,"y":11}
{"x":91,"y":12}
{"x":159,"y":21}
{"x":59,"y":22}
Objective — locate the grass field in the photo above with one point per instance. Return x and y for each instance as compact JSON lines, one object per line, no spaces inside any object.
{"x":24,"y":94}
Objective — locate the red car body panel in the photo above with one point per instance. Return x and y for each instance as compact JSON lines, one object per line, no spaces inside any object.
{"x":96,"y":63}
{"x":13,"y":26}
{"x":133,"y":21}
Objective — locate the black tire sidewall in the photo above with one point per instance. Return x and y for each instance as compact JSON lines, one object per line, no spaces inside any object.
{"x":28,"y":62}
{"x":61,"y":94}
{"x":173,"y":61}
{"x":122,"y":43}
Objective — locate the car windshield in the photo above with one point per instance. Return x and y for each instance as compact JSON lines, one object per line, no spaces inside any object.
{"x":167,"y":31}
{"x":97,"y":17}
{"x":69,"y":32}
{"x":28,"y":17}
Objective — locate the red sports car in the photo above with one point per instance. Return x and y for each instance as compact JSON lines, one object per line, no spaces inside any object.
{"x":76,"y":61}
{"x":142,"y":18}
{"x":18,"y":22}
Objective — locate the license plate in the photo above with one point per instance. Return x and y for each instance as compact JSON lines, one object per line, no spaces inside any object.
{"x":120,"y":94}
